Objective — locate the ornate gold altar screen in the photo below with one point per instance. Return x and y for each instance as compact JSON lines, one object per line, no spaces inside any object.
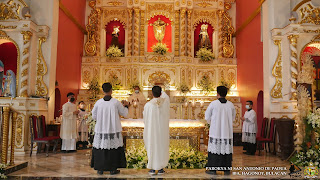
{"x":180,"y":20}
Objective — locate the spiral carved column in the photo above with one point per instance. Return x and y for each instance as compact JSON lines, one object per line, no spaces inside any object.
{"x":13,"y":137}
{"x":189,"y":34}
{"x":220,"y":34}
{"x":5,"y":133}
{"x":129,"y":53}
{"x":142,"y":33}
{"x":294,"y":65}
{"x":183,"y":33}
{"x":136,"y":34}
{"x":25,"y":63}
{"x":176,"y":33}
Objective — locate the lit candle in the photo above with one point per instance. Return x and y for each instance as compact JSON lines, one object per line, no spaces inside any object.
{"x":201,"y":103}
{"x":193,"y":104}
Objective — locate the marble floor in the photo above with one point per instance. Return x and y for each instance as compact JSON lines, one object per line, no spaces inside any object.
{"x":76,"y":166}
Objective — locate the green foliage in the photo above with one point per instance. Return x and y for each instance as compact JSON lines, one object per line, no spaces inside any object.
{"x":160,"y":48}
{"x":137,"y":158}
{"x":205,"y":55}
{"x":115,"y":82}
{"x":205,"y":84}
{"x":183,"y":88}
{"x":114,"y":51}
{"x":93,"y":89}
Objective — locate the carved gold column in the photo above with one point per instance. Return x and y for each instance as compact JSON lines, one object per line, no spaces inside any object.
{"x":294,"y":65}
{"x":176,"y":32}
{"x":92,"y":46}
{"x":142,"y":23}
{"x":189,"y":34}
{"x":13,"y":137}
{"x":136,"y":35}
{"x":25,"y":63}
{"x":5,"y":133}
{"x":183,"y":33}
{"x":276,"y":91}
{"x":220,"y":34}
{"x":129,"y":53}
{"x":41,"y":87}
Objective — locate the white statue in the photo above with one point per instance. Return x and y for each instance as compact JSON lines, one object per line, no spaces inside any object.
{"x":10,"y":84}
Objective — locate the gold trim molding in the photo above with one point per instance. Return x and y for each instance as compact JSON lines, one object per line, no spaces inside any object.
{"x":276,"y":91}
{"x":41,"y":88}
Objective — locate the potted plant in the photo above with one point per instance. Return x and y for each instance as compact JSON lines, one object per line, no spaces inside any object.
{"x":205,"y":55}
{"x":160,"y":48}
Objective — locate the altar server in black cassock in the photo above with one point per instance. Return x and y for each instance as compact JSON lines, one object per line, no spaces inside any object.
{"x":108,"y":152}
{"x":249,"y":129}
{"x":220,"y":114}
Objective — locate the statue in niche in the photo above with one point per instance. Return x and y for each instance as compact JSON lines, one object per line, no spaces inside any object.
{"x":115,"y":36}
{"x":1,"y":77}
{"x":10,"y":84}
{"x":204,"y":40}
{"x":159,"y":28}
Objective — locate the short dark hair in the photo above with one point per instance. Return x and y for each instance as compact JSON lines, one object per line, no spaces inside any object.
{"x":80,"y":102}
{"x":70,"y":94}
{"x":222,"y":91}
{"x":106,"y":87}
{"x":136,"y":87}
{"x":250,"y":102}
{"x":156,"y":91}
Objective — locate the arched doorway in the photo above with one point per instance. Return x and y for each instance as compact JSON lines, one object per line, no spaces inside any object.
{"x":9,"y":60}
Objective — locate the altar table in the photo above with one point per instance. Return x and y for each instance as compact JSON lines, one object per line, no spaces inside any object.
{"x":183,"y":133}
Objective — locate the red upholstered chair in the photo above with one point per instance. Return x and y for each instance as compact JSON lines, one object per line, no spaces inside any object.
{"x":39,"y":133}
{"x":270,"y":138}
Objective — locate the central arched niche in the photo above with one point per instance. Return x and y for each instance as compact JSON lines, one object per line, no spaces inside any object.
{"x":167,"y":36}
{"x":197,"y":37}
{"x":109,"y":29}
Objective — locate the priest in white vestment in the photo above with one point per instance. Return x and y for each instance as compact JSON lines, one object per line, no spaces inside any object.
{"x":249,"y":129}
{"x":136,"y":103}
{"x":220,"y":114}
{"x":108,"y":151}
{"x":156,"y":130}
{"x":68,"y":131}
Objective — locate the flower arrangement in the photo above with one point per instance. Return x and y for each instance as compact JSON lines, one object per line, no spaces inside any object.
{"x":205,"y":84}
{"x":183,"y":88}
{"x":93,"y":89}
{"x":137,"y":158}
{"x":114,"y":51}
{"x":160,"y":48}
{"x":91,"y":124}
{"x":205,"y":55}
{"x":2,"y":168}
{"x":115,"y":82}
{"x":310,"y":152}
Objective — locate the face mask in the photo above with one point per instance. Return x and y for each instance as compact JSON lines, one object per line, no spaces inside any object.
{"x":72,"y":99}
{"x":136,"y":91}
{"x":248,"y":107}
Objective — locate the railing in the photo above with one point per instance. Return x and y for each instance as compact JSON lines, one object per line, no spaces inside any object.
{"x":8,"y":114}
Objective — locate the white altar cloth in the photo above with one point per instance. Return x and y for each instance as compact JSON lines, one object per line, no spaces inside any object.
{"x":174,"y":123}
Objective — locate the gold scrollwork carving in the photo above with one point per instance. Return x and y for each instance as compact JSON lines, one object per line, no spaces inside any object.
{"x":9,"y":10}
{"x":309,"y":14}
{"x":92,"y":28}
{"x":159,"y":77}
{"x":41,"y":88}
{"x":142,"y":33}
{"x":130,"y":16}
{"x":189,"y":30}
{"x":204,"y":16}
{"x":25,"y":63}
{"x":19,"y":131}
{"x":177,"y":33}
{"x":294,"y":65}
{"x":183,"y":31}
{"x":160,"y":9}
{"x":276,"y":91}
{"x":7,"y":27}
{"x":228,"y":30}
{"x":115,"y":3}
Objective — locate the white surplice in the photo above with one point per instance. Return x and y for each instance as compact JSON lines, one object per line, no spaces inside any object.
{"x":249,"y":127}
{"x":68,"y":131}
{"x":140,"y":100}
{"x":220,"y":116}
{"x":82,"y":126}
{"x":156,"y":131}
{"x":107,"y":131}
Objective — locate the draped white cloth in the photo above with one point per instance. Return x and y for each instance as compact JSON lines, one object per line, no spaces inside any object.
{"x":156,"y":131}
{"x":140,"y":100}
{"x":108,"y":126}
{"x":220,"y":116}
{"x":249,"y":127}
{"x":68,"y":129}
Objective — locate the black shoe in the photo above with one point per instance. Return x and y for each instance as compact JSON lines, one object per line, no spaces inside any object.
{"x":245,"y":152}
{"x":100,"y":172}
{"x":114,"y":172}
{"x":152,"y":172}
{"x":227,"y":173}
{"x":161,"y":171}
{"x":211,"y":172}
